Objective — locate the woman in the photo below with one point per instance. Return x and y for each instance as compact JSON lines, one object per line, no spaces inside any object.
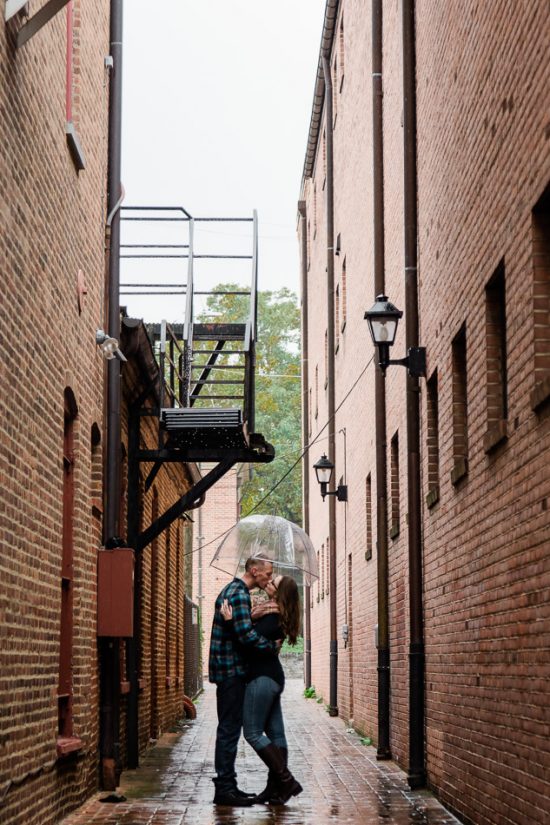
{"x":263,"y":725}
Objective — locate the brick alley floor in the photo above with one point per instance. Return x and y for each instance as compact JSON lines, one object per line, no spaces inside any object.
{"x":343,"y":782}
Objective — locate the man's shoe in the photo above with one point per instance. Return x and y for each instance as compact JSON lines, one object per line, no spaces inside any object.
{"x":233,"y":799}
{"x":244,"y":794}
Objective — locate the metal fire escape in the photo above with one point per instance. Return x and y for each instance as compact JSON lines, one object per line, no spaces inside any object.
{"x":206,"y":370}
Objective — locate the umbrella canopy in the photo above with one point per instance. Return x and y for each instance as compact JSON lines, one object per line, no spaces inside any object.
{"x":270,"y":538}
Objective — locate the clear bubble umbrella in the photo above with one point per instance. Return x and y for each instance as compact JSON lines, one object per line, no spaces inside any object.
{"x":273,"y":539}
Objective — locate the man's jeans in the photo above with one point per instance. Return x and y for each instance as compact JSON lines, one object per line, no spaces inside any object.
{"x":262,"y":712}
{"x":229,"y":701}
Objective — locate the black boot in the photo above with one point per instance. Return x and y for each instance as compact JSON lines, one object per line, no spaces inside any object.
{"x":270,"y":789}
{"x":285,"y":784}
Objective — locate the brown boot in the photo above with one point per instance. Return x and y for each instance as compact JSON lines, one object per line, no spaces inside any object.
{"x":285,"y":784}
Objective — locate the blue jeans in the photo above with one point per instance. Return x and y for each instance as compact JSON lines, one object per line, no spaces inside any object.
{"x":229,"y":702}
{"x":262,"y":716}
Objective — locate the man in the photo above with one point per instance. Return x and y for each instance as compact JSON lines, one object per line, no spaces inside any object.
{"x":227,"y":669}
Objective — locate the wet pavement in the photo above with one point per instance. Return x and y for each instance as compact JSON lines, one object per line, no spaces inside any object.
{"x":343,"y":782}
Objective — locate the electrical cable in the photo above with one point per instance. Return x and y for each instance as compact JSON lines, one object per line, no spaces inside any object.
{"x":302,"y":454}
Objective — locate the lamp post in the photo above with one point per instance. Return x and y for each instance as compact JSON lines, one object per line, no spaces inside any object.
{"x":323,"y":470}
{"x":383,"y":318}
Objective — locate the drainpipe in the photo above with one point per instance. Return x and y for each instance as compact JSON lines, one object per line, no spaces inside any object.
{"x":333,"y":695}
{"x":383,"y":751}
{"x":417,"y":771}
{"x":109,"y":648}
{"x":305,"y":434}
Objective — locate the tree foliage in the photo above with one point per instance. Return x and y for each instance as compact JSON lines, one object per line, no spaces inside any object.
{"x":278,"y":394}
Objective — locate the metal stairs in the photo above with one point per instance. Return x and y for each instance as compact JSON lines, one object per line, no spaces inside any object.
{"x":205,"y":398}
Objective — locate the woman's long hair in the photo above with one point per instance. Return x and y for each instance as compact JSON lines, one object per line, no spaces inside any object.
{"x":288,"y":600}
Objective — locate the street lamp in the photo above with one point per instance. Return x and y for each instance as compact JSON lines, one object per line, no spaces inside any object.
{"x":323,"y":470}
{"x":383,"y":318}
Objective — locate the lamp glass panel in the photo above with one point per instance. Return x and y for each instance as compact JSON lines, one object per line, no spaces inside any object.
{"x":323,"y":474}
{"x":383,"y":330}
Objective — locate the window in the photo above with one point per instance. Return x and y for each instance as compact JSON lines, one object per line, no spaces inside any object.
{"x":322,"y":571}
{"x":308,"y":244}
{"x":432,"y":401}
{"x":368,"y":517}
{"x":394,"y":480}
{"x":350,"y":601}
{"x":309,"y":415}
{"x":316,"y":391}
{"x":72,"y":98}
{"x":341,"y":48}
{"x":326,"y":359}
{"x":65,"y":682}
{"x":324,"y":158}
{"x":541,"y":299}
{"x":314,"y":211}
{"x":344,"y":296}
{"x":337,"y":319}
{"x":460,"y":407}
{"x":496,"y":368}
{"x":168,"y":607}
{"x":334,"y":90}
{"x":154,"y":624}
{"x":179,"y":607}
{"x":327,"y":568}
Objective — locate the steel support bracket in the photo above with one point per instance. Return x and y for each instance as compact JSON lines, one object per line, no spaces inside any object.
{"x":38,"y":20}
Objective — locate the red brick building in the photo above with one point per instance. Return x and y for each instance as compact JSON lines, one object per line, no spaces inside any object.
{"x":475,"y":201}
{"x":54,"y":100}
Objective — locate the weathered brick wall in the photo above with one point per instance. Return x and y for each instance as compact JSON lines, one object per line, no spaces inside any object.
{"x":52,"y":226}
{"x":483,"y":164}
{"x":161,"y":579}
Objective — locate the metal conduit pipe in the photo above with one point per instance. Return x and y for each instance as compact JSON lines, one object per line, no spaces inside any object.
{"x":383,"y":750}
{"x":305,"y":434}
{"x":417,"y":771}
{"x":109,"y":648}
{"x":333,"y":689}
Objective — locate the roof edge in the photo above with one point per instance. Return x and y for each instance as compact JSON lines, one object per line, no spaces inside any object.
{"x":327,"y":39}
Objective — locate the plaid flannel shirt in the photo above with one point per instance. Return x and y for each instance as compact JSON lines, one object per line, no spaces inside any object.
{"x":226,"y":656}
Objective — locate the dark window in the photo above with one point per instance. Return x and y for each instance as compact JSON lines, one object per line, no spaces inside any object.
{"x":460,"y":407}
{"x":65,"y":684}
{"x":368,"y":515}
{"x":496,"y":370}
{"x":432,"y":401}
{"x":394,"y":482}
{"x":541,"y":299}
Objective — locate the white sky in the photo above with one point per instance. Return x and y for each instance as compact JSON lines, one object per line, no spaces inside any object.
{"x":216,"y":108}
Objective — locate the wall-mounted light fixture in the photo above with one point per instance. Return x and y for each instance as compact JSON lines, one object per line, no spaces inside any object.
{"x":323,"y":470}
{"x":383,"y":318}
{"x":108,"y":346}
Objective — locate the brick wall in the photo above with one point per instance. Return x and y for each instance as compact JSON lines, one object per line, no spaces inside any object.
{"x":483,"y":166}
{"x":52,"y":227}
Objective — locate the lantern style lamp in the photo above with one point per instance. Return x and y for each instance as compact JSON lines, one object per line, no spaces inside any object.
{"x":383,"y":318}
{"x":323,"y":470}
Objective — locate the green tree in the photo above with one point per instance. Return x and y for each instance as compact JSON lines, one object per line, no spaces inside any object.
{"x":278,"y":393}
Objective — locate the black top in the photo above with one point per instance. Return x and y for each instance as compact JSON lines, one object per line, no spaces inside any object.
{"x":267,"y":664}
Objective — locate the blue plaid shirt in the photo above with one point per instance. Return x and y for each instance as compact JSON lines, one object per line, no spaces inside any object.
{"x":226,"y":656}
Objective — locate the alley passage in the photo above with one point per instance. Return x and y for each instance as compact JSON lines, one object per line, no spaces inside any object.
{"x":342,"y":781}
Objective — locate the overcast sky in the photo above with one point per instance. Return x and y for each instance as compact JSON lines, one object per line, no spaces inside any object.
{"x":216,"y":109}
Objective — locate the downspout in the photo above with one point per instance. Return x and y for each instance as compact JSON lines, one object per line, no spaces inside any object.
{"x":109,"y":648}
{"x":383,"y":750}
{"x":305,"y":434}
{"x":333,"y":694}
{"x":417,"y":771}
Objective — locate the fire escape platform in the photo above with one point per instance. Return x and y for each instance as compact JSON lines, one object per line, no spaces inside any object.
{"x":204,"y":427}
